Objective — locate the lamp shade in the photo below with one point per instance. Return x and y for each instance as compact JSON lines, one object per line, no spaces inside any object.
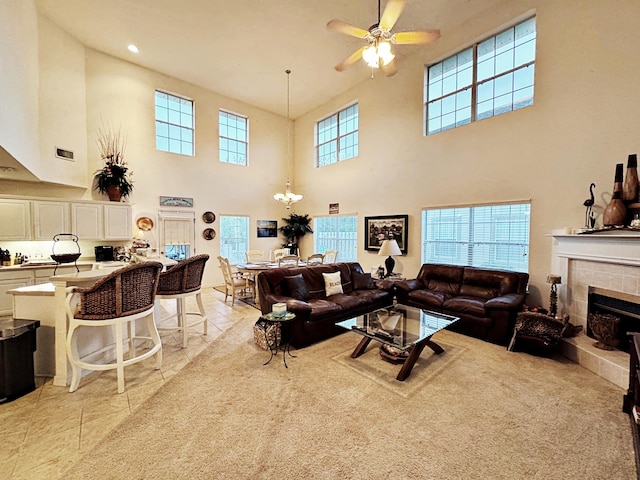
{"x":551,"y":278}
{"x":389,"y":247}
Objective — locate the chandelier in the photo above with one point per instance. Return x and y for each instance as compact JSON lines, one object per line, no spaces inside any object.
{"x":288,"y":197}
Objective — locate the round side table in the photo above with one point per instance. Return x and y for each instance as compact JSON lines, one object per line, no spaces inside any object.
{"x":285,"y":339}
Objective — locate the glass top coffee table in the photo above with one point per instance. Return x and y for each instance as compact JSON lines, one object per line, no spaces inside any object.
{"x":402,"y":329}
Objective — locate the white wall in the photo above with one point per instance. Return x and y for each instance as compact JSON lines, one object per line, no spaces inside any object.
{"x":63,"y":109}
{"x":122,"y":94}
{"x":19,"y":81}
{"x":584,"y":121}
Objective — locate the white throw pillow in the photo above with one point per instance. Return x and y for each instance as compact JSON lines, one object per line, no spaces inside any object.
{"x":332,"y":284}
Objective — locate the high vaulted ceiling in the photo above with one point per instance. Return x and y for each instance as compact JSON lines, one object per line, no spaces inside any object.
{"x":241,"y":48}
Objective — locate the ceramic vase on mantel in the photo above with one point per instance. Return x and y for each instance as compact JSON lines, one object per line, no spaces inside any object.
{"x":615,"y":213}
{"x":114,"y":193}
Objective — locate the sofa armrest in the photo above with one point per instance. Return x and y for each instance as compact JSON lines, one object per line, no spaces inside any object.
{"x":511,"y":301}
{"x":410,"y":285}
{"x":293,"y":305}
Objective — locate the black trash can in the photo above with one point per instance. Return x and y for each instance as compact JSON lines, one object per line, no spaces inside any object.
{"x":17,"y":344}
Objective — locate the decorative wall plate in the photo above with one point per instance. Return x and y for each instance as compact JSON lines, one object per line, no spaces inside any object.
{"x":209,"y":234}
{"x":144,"y":223}
{"x":209,"y":217}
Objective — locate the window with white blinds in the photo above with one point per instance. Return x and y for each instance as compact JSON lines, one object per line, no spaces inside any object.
{"x":487,"y":236}
{"x":337,"y":232}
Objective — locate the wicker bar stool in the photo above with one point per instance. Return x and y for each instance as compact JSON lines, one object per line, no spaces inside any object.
{"x":118,"y":299}
{"x":179,"y":282}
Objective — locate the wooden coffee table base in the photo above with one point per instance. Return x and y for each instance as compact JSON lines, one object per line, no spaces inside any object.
{"x":411,"y":360}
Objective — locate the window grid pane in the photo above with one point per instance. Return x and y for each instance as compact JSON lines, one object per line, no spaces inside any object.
{"x":488,"y":236}
{"x":337,"y":232}
{"x":234,"y":237}
{"x":337,"y":137}
{"x":504,"y":80}
{"x":174,"y":124}
{"x":233,"y":138}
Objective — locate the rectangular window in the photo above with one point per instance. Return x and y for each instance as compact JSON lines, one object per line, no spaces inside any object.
{"x":234,"y":238}
{"x":337,"y":232}
{"x":234,"y":138}
{"x":174,"y":124}
{"x":337,"y":137}
{"x":487,"y":236}
{"x":492,"y":77}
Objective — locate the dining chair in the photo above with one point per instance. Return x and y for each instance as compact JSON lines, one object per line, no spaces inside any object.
{"x":179,"y":282}
{"x":279,"y":253}
{"x":235,"y":282}
{"x":254,"y":256}
{"x":315,"y":259}
{"x":330,"y":256}
{"x":119,"y":299}
{"x":288,"y":261}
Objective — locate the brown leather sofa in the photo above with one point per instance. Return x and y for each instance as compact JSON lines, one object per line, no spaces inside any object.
{"x":303,"y":290}
{"x":487,"y":301}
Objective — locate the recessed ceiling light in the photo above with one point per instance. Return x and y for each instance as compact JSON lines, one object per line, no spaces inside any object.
{"x":132,"y":48}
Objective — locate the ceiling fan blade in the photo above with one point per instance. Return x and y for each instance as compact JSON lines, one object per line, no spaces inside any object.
{"x":347,"y":29}
{"x":391,"y":68}
{"x":392,"y":11}
{"x":415,"y":38}
{"x":350,"y":60}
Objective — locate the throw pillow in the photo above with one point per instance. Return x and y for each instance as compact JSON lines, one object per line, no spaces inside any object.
{"x":332,"y":283}
{"x":362,"y":281}
{"x":297,"y":287}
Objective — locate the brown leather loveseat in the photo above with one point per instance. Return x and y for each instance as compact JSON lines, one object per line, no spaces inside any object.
{"x":303,"y":289}
{"x":487,"y":301}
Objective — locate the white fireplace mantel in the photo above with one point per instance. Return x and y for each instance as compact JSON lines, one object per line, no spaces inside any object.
{"x":609,"y":247}
{"x":608,"y":260}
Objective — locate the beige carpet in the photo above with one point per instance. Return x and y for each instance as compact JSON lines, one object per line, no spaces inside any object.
{"x":475,"y":412}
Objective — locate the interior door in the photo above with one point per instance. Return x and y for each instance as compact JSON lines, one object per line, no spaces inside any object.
{"x":176,"y":231}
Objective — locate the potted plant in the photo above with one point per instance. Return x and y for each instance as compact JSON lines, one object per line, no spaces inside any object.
{"x":296,"y":227}
{"x":114,"y":178}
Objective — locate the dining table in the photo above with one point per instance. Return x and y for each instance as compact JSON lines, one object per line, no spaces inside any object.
{"x":254,"y":269}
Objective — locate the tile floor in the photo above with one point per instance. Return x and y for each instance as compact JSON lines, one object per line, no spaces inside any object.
{"x":46,"y":431}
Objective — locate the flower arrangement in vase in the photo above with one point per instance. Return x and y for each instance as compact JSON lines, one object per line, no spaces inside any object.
{"x":114,"y":178}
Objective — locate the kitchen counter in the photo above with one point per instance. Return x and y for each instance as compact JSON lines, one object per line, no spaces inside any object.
{"x":36,"y":265}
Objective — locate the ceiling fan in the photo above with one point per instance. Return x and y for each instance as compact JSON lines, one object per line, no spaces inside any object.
{"x":378,"y":52}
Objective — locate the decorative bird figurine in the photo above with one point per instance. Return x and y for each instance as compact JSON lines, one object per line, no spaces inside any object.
{"x":589,"y":218}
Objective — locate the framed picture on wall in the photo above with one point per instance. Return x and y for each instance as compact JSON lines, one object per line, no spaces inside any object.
{"x":387,"y":227}
{"x":267,"y":228}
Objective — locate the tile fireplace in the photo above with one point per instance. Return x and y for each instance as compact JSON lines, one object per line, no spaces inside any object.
{"x":606,"y":263}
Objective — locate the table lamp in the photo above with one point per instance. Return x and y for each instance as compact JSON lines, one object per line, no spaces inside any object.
{"x":554,"y":280}
{"x":389,"y":248}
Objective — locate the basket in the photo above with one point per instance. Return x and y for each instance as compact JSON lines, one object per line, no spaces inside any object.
{"x":267,"y":335}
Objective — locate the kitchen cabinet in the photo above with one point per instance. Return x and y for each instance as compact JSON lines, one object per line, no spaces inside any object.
{"x":22,"y":277}
{"x":87,"y":221}
{"x":117,"y":222}
{"x":50,"y":219}
{"x":15,"y":218}
{"x":8,"y":281}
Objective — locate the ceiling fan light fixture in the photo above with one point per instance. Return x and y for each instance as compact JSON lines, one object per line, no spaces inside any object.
{"x":385,"y":53}
{"x":370,"y":56}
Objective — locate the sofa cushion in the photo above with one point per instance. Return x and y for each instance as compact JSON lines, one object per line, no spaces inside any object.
{"x":332,"y":283}
{"x":466,"y":305}
{"x":296,"y":287}
{"x":323,"y":309}
{"x":428,"y":298}
{"x":362,"y":281}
